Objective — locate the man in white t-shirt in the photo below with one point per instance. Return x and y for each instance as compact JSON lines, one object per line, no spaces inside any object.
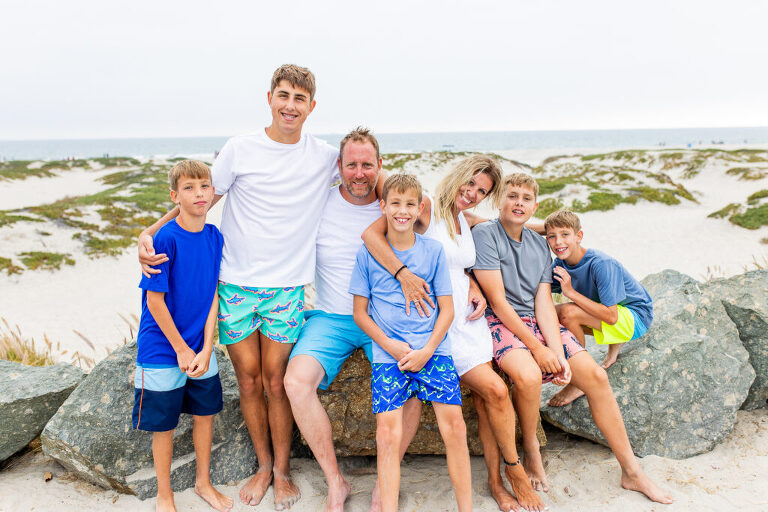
{"x":330,"y":334}
{"x":277,"y":184}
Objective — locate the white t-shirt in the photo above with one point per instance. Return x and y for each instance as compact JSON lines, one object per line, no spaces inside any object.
{"x":338,"y":240}
{"x":275,"y":195}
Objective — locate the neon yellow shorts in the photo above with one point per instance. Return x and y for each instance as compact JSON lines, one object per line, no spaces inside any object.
{"x":627,"y":328}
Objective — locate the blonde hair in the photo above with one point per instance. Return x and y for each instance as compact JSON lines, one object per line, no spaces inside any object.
{"x":461,"y":174}
{"x":563,"y":218}
{"x":401,"y":183}
{"x":360,"y":134}
{"x":194,"y":169}
{"x":297,"y":76}
{"x":520,"y":179}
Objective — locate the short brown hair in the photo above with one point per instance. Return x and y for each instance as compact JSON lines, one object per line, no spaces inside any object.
{"x":188,"y":169}
{"x":401,"y":183}
{"x":520,"y":179}
{"x":563,"y":218}
{"x":361,"y":134}
{"x":295,"y":75}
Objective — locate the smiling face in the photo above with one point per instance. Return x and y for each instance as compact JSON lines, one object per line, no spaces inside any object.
{"x":290,"y":107}
{"x":359,"y":169}
{"x":193,"y":195}
{"x":474,"y":192}
{"x":401,"y":210}
{"x":564,"y":242}
{"x":518,"y":205}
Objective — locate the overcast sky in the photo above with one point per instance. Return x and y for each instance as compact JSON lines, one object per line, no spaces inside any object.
{"x":92,"y":69}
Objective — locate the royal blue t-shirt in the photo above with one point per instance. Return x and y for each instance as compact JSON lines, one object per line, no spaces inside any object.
{"x":603,"y":279}
{"x":369,"y":279}
{"x":189,"y":279}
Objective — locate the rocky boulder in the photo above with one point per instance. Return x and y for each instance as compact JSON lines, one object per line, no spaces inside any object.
{"x":92,"y":435}
{"x":679,"y":386}
{"x":348,"y":403}
{"x":31,"y":395}
{"x":745,"y":298}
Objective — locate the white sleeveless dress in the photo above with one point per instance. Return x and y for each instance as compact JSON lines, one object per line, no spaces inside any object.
{"x":470,"y":341}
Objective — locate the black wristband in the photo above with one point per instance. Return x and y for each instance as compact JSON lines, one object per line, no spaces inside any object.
{"x":398,"y":271}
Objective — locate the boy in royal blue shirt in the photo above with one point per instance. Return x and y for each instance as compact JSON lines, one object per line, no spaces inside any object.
{"x":176,"y":370}
{"x":607,"y":301}
{"x":410,"y":358}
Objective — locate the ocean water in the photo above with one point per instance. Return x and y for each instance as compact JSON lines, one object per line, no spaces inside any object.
{"x":399,"y":142}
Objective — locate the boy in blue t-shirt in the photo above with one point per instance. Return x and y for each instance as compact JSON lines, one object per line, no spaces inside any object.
{"x":607,"y":301}
{"x":410,"y":357}
{"x":176,"y":370}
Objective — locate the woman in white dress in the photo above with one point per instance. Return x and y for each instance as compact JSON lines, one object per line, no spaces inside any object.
{"x":445,"y":219}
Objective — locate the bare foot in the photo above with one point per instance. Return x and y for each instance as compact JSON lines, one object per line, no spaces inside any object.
{"x":376,"y":498}
{"x":565,"y":396}
{"x":534,"y":466}
{"x":255,"y":488}
{"x":286,"y":492}
{"x":522,"y":487}
{"x":338,"y":491}
{"x":504,"y":499}
{"x":165,"y":504}
{"x":214,"y":498}
{"x":641,"y":483}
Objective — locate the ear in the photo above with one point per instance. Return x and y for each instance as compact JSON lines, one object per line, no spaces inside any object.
{"x":421,"y":207}
{"x":312,"y":106}
{"x":579,"y":236}
{"x":174,"y":196}
{"x":382,"y":205}
{"x":269,"y":97}
{"x":535,"y":207}
{"x":338,"y":162}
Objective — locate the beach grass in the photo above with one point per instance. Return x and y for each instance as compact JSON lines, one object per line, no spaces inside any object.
{"x":20,"y":349}
{"x":7,"y":266}
{"x":752,"y":218}
{"x":35,"y":260}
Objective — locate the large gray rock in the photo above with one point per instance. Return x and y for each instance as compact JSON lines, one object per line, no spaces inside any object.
{"x":92,"y":435}
{"x":745,"y":298}
{"x":348,"y":403}
{"x":31,"y":395}
{"x":679,"y":386}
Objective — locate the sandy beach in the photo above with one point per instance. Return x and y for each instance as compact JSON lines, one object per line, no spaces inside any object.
{"x":98,"y":300}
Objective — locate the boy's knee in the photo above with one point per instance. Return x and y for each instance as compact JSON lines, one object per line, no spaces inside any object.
{"x":388,"y":434}
{"x":600,"y":376}
{"x":568,"y":313}
{"x":250,"y":384}
{"x":295,"y":385}
{"x":528,"y":382}
{"x":496,"y":394}
{"x":454,"y":426}
{"x":274,"y":386}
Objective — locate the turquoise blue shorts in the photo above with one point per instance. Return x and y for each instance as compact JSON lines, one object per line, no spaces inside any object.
{"x":330,"y":339}
{"x":436,"y":382}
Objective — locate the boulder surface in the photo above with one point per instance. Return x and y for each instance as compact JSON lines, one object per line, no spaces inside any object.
{"x":31,"y":395}
{"x":680,"y":385}
{"x":348,"y":403}
{"x":745,"y":298}
{"x":92,"y":434}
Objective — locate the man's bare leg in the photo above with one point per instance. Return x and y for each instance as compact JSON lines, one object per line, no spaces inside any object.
{"x":246,"y":360}
{"x":162,"y":455}
{"x":411,"y":416}
{"x":274,"y":358}
{"x":389,"y":433}
{"x":525,"y":374}
{"x":605,"y":411}
{"x":486,"y":383}
{"x":202,"y":438}
{"x":453,"y":430}
{"x":303,"y":376}
{"x":492,"y":457}
{"x":580,"y":323}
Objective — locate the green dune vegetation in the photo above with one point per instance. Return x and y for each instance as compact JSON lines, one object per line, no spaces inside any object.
{"x":752,"y":214}
{"x":23,"y":169}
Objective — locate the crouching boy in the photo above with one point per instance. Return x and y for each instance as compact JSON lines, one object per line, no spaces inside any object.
{"x":410,"y":359}
{"x":176,"y":370}
{"x":607,"y":301}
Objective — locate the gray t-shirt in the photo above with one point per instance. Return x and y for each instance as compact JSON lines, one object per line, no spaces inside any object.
{"x":523,"y":264}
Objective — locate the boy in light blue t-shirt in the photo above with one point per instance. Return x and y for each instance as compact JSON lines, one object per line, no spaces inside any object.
{"x":607,"y":301}
{"x":410,"y":357}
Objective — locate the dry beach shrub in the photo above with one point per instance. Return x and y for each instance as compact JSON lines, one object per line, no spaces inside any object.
{"x":16,"y":347}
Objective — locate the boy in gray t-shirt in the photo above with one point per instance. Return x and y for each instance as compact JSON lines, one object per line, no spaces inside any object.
{"x":514,"y":269}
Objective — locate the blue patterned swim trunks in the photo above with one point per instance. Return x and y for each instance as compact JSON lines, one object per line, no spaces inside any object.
{"x":436,"y":382}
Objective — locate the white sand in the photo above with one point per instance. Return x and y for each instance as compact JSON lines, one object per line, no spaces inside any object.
{"x":583,"y":476}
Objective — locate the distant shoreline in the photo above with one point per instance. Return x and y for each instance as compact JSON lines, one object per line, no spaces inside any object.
{"x":55,"y":149}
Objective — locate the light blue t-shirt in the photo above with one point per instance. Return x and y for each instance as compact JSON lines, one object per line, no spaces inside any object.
{"x":189,"y":279}
{"x":369,"y":279}
{"x":603,"y":279}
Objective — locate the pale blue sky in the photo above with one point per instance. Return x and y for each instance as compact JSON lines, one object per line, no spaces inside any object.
{"x":80,"y":68}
